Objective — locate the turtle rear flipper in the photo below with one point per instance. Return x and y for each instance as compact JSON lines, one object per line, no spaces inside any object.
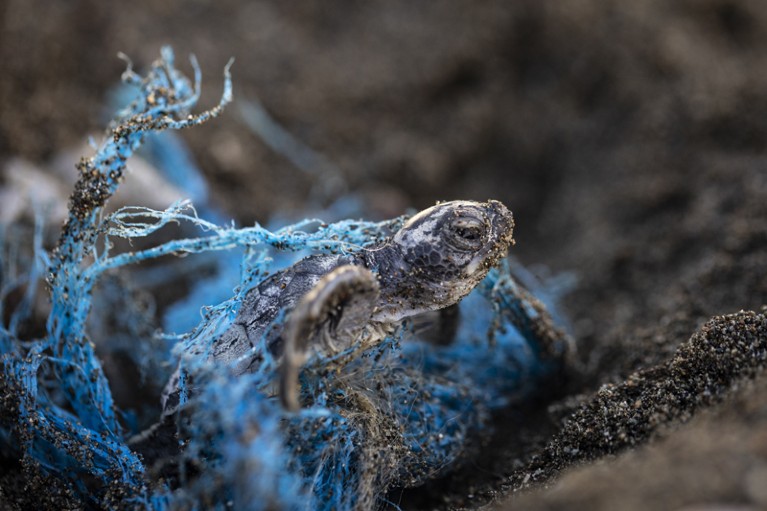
{"x":328,"y":319}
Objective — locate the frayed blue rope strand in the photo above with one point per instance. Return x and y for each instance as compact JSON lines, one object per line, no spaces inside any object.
{"x":76,"y":430}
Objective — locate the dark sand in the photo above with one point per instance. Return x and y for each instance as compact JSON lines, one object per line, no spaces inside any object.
{"x":629,"y":138}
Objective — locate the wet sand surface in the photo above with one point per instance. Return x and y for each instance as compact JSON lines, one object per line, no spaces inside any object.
{"x":629,"y":140}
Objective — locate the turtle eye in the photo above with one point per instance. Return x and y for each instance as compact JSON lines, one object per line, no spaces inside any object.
{"x":465,"y":233}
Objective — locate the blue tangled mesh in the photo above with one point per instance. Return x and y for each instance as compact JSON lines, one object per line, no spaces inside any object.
{"x":397,"y":415}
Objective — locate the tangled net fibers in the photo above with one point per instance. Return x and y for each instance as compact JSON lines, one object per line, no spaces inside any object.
{"x":398,"y":415}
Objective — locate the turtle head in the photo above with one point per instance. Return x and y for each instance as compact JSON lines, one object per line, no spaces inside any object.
{"x":443,"y":253}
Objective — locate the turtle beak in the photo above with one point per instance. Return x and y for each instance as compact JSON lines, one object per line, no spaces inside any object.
{"x":502,"y":221}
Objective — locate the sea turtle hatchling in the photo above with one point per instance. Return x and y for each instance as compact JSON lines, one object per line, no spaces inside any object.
{"x":334,"y":301}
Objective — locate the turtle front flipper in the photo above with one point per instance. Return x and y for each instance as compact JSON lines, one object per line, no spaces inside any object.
{"x":438,"y":327}
{"x":328,"y":319}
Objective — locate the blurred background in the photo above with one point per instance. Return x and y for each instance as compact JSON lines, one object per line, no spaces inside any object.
{"x":414,"y":102}
{"x":628,"y":137}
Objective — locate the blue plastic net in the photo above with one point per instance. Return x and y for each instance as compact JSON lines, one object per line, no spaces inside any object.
{"x":399,"y":414}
